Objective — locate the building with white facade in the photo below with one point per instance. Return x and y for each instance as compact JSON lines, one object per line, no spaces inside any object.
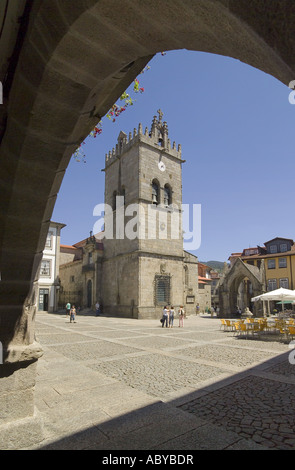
{"x":49,"y":283}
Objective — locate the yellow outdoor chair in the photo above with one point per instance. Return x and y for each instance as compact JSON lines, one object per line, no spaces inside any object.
{"x":241,"y":329}
{"x":291,"y":331}
{"x":283,"y":332}
{"x":237,"y":327}
{"x":262,"y":324}
{"x":256,"y":329}
{"x":279,"y":325}
{"x":267,"y":326}
{"x":229,"y":325}
{"x":223,"y":324}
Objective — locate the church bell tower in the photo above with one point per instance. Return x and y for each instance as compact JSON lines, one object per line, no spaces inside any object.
{"x":143,"y":267}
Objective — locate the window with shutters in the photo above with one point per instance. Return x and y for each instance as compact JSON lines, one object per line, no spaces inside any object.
{"x":284,"y":282}
{"x":45,"y":268}
{"x":282,"y":262}
{"x":271,"y":284}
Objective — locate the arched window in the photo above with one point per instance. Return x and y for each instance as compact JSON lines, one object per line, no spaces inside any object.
{"x":167,"y":195}
{"x":155,"y":192}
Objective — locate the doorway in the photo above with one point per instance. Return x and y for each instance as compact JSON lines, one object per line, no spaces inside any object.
{"x":43,"y":299}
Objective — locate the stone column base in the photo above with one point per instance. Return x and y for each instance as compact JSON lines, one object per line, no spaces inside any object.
{"x":23,"y":433}
{"x":20,"y":423}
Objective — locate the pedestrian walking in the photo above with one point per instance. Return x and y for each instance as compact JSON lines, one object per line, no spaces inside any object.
{"x":97,"y":308}
{"x":68,"y":308}
{"x":73,"y":314}
{"x":165,"y":317}
{"x":181,"y":316}
{"x":171,"y":317}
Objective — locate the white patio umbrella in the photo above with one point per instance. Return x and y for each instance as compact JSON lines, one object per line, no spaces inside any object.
{"x":277,"y":294}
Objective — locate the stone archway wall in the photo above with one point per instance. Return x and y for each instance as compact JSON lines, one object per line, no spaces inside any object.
{"x":73,"y":60}
{"x":234,"y":290}
{"x":76,"y":59}
{"x":229,"y":287}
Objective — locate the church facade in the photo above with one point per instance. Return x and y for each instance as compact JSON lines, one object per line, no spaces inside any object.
{"x":143,"y":265}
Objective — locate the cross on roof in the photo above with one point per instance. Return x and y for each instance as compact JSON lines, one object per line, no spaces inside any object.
{"x":160,"y":114}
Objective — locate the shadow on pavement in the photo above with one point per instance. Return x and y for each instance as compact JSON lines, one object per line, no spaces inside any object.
{"x":254,"y":409}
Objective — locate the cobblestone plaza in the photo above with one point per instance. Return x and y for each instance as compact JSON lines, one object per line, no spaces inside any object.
{"x":115,"y":384}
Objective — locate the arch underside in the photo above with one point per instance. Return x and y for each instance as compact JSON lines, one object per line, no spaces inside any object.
{"x":237,"y":299}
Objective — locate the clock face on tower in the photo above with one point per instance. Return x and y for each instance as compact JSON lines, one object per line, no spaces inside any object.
{"x":162,"y":166}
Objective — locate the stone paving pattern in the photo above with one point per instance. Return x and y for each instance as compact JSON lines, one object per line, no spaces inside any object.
{"x":123,"y":384}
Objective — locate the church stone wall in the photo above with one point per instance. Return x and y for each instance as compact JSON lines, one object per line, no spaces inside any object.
{"x":120,"y":285}
{"x":151,"y":266}
{"x":150,"y":156}
{"x":71,"y":280}
{"x":121,"y":174}
{"x":163,"y":224}
{"x":190,"y":283}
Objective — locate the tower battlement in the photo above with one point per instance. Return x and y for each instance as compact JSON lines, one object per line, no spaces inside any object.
{"x":157,"y":137}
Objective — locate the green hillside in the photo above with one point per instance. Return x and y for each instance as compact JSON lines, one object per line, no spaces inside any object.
{"x":218,"y":265}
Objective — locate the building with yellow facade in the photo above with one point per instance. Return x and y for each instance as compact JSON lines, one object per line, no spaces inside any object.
{"x":279,"y":262}
{"x":255,"y":271}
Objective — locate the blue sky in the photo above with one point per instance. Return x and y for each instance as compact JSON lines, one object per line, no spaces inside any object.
{"x":235,"y":125}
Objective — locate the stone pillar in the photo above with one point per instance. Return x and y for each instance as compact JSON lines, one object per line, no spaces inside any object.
{"x":225,"y":304}
{"x":258,"y":308}
{"x":20,"y":423}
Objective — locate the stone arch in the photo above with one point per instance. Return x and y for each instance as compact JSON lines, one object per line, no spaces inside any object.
{"x":74,"y":61}
{"x":234,"y":295}
{"x":67,"y":66}
{"x":228,"y":291}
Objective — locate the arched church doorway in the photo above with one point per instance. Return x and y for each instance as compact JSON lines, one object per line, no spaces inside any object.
{"x":240,"y":295}
{"x":240,"y":284}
